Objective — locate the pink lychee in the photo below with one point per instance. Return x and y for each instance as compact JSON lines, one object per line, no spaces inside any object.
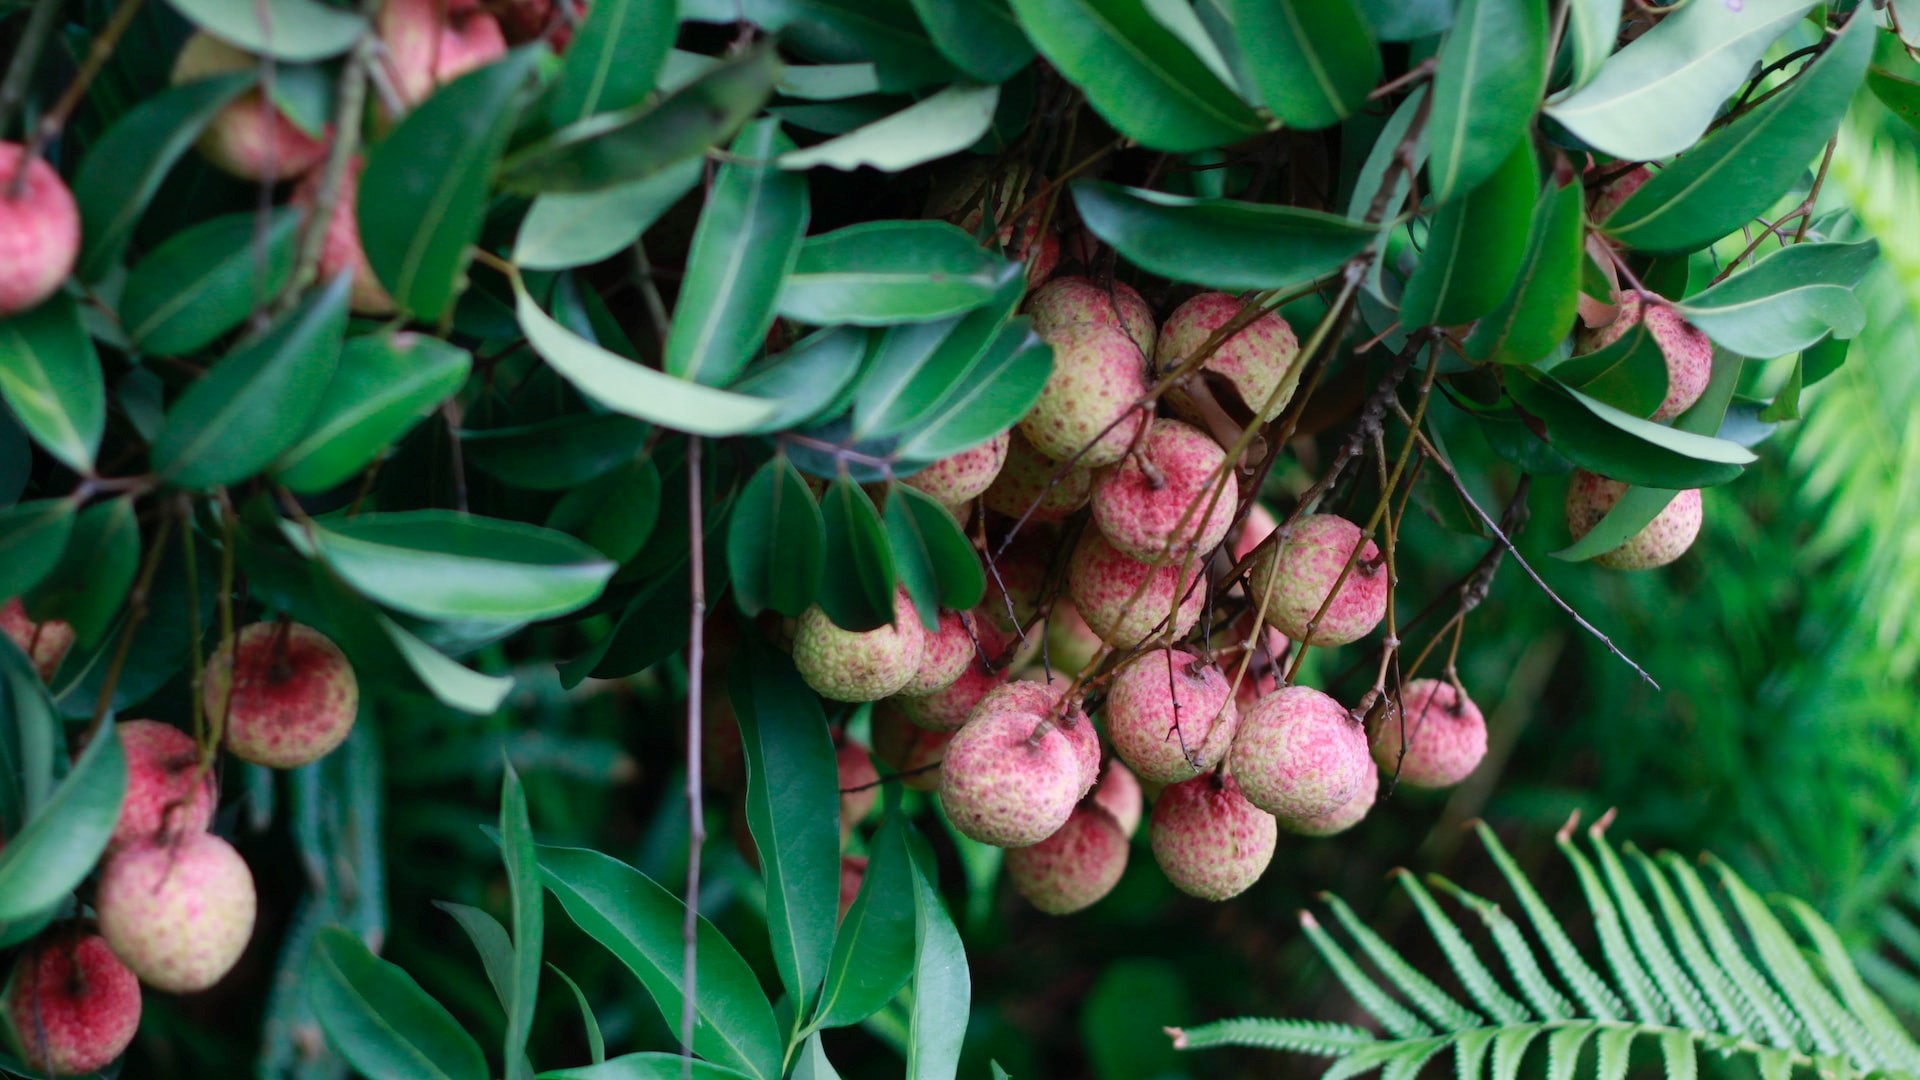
{"x":859,"y":784}
{"x":859,"y":665}
{"x":1010,"y":776}
{"x":1170,"y":715}
{"x":1076,"y":866}
{"x":1089,"y":412}
{"x":1016,"y":578}
{"x":1033,"y":485}
{"x":1062,"y":302}
{"x":1118,"y":793}
{"x":1603,"y":201}
{"x":1103,"y":583}
{"x":1299,"y":754}
{"x":1208,"y":839}
{"x":949,"y":707}
{"x":1294,"y":577}
{"x":1259,"y":524}
{"x":964,"y":476}
{"x":1442,"y":733}
{"x":944,"y":654}
{"x":1051,"y":700}
{"x":1346,"y":816}
{"x":72,"y":1005}
{"x":250,"y":138}
{"x":1245,"y":374}
{"x":431,"y":42}
{"x":1179,"y":501}
{"x":167,"y":792}
{"x":1687,"y":350}
{"x":44,"y":643}
{"x":340,"y":250}
{"x":911,"y":751}
{"x":1665,"y":538}
{"x":296,"y":697}
{"x":179,"y":913}
{"x":39,"y":230}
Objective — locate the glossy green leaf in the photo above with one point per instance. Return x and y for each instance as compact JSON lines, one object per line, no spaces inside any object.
{"x":32,"y":536}
{"x":1182,"y":19}
{"x":284,"y":29}
{"x":617,"y":148}
{"x":557,"y":454}
{"x":1476,"y":246}
{"x":1539,"y":310}
{"x":1602,"y":439}
{"x":423,"y":196}
{"x":856,"y":591}
{"x":937,"y":563}
{"x":124,"y":168}
{"x":916,"y":366}
{"x":942,"y":985}
{"x":615,"y":513}
{"x":1485,"y":90}
{"x":257,"y":400}
{"x":383,"y":386}
{"x":562,"y":230}
{"x":1145,"y":82}
{"x":980,"y":37}
{"x":873,"y":956}
{"x":1381,"y":157}
{"x":1786,"y":301}
{"x":1742,"y":169}
{"x":491,"y":941}
{"x":1629,"y":374}
{"x":205,"y":280}
{"x":529,"y":917}
{"x":999,"y":390}
{"x":746,"y":244}
{"x":440,"y":564}
{"x":596,"y":1043}
{"x":380,"y":1020}
{"x":809,"y":379}
{"x":883,"y":272}
{"x":1592,"y":28}
{"x":50,"y":377}
{"x":450,"y":683}
{"x":793,"y":811}
{"x":639,"y":922}
{"x":60,"y":845}
{"x":614,"y":59}
{"x":934,"y":127}
{"x":775,"y":542}
{"x":1314,"y":61}
{"x":95,"y":572}
{"x":829,"y":82}
{"x":811,"y":1062}
{"x":1219,"y":243}
{"x":652,"y":1065}
{"x":1894,"y":78}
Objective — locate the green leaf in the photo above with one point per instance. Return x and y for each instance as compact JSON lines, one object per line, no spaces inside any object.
{"x":915,"y":366}
{"x":809,"y":380}
{"x":812,"y":1063}
{"x":1219,"y":243}
{"x":856,"y":590}
{"x":1657,"y":96}
{"x":121,"y":171}
{"x":441,"y":564}
{"x":60,"y":844}
{"x":596,"y":1044}
{"x":633,"y":389}
{"x":383,"y":386}
{"x":1787,"y":301}
{"x":529,"y":917}
{"x":32,"y":536}
{"x":1485,"y":91}
{"x":1592,"y":28}
{"x":746,"y":244}
{"x":999,"y":390}
{"x":617,"y":148}
{"x":775,"y":542}
{"x":205,"y":280}
{"x":793,"y":812}
{"x":883,"y":272}
{"x":1740,"y":170}
{"x":934,"y":127}
{"x":1476,"y":247}
{"x":423,"y":196}
{"x":88,"y":586}
{"x":1383,"y":156}
{"x":873,"y":956}
{"x":283,"y":29}
{"x":980,"y":37}
{"x":653,"y":1065}
{"x":557,"y":454}
{"x":1407,"y":20}
{"x":1540,"y":309}
{"x":1894,"y":77}
{"x":639,"y":922}
{"x":615,"y":513}
{"x":1314,"y":61}
{"x":937,"y":562}
{"x":1630,"y":374}
{"x":451,"y":684}
{"x":942,"y":986}
{"x":562,"y":230}
{"x":50,"y":378}
{"x":831,"y":82}
{"x":1602,"y":439}
{"x":255,"y":402}
{"x":380,"y":1020}
{"x":1144,"y":81}
{"x":614,"y":59}
{"x":491,"y":941}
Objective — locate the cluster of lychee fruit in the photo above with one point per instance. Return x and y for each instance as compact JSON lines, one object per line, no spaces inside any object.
{"x":172,"y":904}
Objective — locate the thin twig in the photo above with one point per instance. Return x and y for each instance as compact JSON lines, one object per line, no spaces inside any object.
{"x":55,"y":120}
{"x":136,"y":611}
{"x":33,"y":41}
{"x":696,"y":812}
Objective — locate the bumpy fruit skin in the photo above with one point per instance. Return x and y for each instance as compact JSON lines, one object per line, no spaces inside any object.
{"x":1666,"y":537}
{"x":1299,"y":754}
{"x":1349,"y":814}
{"x":1258,"y":526}
{"x":908,"y":749}
{"x":1075,"y":867}
{"x":853,"y":872}
{"x":39,"y":232}
{"x":1208,"y":839}
{"x":162,"y":799}
{"x":1687,"y":349}
{"x":966,"y":475}
{"x":1254,"y":362}
{"x":944,"y":655}
{"x":1154,"y":692}
{"x":250,"y":138}
{"x":1050,"y":701}
{"x":179,"y":914}
{"x":1102,"y":581}
{"x":1118,"y":793}
{"x":1025,"y":485}
{"x":1602,"y":202}
{"x":1170,"y":503}
{"x":1294,"y":577}
{"x":1065,"y":301}
{"x":1015,"y":578}
{"x":859,"y":784}
{"x":1087,"y":413}
{"x":1071,"y":643}
{"x":340,"y":251}
{"x":296,"y":696}
{"x":431,"y":42}
{"x":1007,"y":779}
{"x":1442,"y":731}
{"x":73,"y":1007}
{"x":855,"y":665}
{"x":45,"y":644}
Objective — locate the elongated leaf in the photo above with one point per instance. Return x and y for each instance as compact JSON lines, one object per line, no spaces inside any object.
{"x":1314,"y":61}
{"x":529,"y":918}
{"x":614,"y":59}
{"x":88,"y":586}
{"x":931,"y":128}
{"x":563,"y":230}
{"x":1630,"y":374}
{"x":810,"y":379}
{"x":646,"y":1066}
{"x":1485,"y":91}
{"x":942,"y":986}
{"x":1787,"y":301}
{"x":916,"y":366}
{"x":937,"y":562}
{"x":980,"y":37}
{"x":557,"y":454}
{"x":884,"y":272}
{"x":1602,"y":439}
{"x":1592,"y":28}
{"x":380,"y":1020}
{"x":61,"y":843}
{"x":50,"y":378}
{"x":812,"y":1063}
{"x":776,"y":541}
{"x":873,"y":956}
{"x":492,"y":942}
{"x":999,"y":390}
{"x":451,"y":684}
{"x":32,"y":536}
{"x":1540,"y":308}
{"x":1219,"y":243}
{"x":383,"y":386}
{"x":1476,"y":247}
{"x":284,"y":29}
{"x":596,"y":1043}
{"x":856,"y":591}
{"x":205,"y":280}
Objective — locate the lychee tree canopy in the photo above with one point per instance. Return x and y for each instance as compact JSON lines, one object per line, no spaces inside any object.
{"x":672,"y":324}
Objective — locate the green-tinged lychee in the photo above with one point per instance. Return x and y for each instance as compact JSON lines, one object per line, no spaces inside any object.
{"x":1173,"y":495}
{"x":1128,"y":602}
{"x":1071,"y":643}
{"x":1346,"y":816}
{"x":1170,"y":715}
{"x":1295,"y":577}
{"x":1436,"y":739}
{"x":857,"y":665}
{"x":1033,"y":486}
{"x":1011,"y":776}
{"x":1299,"y":754}
{"x":944,"y":654}
{"x":1688,"y":351}
{"x":949,"y":707}
{"x":1664,"y":539}
{"x":1076,"y":866}
{"x":1246,"y":374}
{"x":1208,"y":839}
{"x":1118,"y":793}
{"x":964,"y":476}
{"x":179,"y":912}
{"x":1065,"y":301}
{"x":1089,"y":412}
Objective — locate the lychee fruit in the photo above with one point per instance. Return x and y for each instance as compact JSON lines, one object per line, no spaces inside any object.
{"x":1118,"y":793}
{"x":340,"y":250}
{"x":1687,"y":350}
{"x":167,"y":792}
{"x":72,"y":1005}
{"x":949,"y":707}
{"x":1076,"y":866}
{"x":45,"y":644}
{"x":963,"y":477}
{"x":911,"y":751}
{"x":944,"y":654}
{"x":431,"y":42}
{"x":853,"y":873}
{"x":1299,"y":754}
{"x":1346,"y":816}
{"x":1258,"y":525}
{"x":296,"y":695}
{"x":859,"y":784}
{"x":1016,"y":577}
{"x":1034,"y":486}
{"x":1172,"y":495}
{"x":1103,"y":583}
{"x":1437,"y":738}
{"x":1051,"y":701}
{"x":1170,"y":715}
{"x":1089,"y":413}
{"x":1665,"y":538}
{"x":859,"y":665}
{"x":1071,"y":643}
{"x":39,"y":230}
{"x":250,"y":138}
{"x":180,"y":912}
{"x":1243,"y":374}
{"x":1294,"y":577}
{"x":1603,"y":201}
{"x":1011,"y":776}
{"x":1208,"y":839}
{"x":1062,"y":302}
{"x":530,"y":20}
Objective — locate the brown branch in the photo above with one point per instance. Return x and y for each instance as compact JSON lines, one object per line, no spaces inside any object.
{"x":696,"y":811}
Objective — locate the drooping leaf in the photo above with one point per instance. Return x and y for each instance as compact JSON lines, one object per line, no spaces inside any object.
{"x":884,"y":272}
{"x":1592,"y":28}
{"x":775,"y":542}
{"x":557,"y":454}
{"x":450,"y":683}
{"x":97,"y":569}
{"x":62,"y":842}
{"x":999,"y":390}
{"x":936,"y":562}
{"x":50,"y":378}
{"x":980,"y":37}
{"x":1786,"y":301}
{"x":206,"y":279}
{"x":283,"y":29}
{"x":492,"y":942}
{"x":1602,"y":439}
{"x":32,"y":536}
{"x":1219,"y":243}
{"x":1539,"y":310}
{"x":380,"y":1020}
{"x":809,"y":380}
{"x":1485,"y":91}
{"x":613,"y":60}
{"x":942,"y":985}
{"x":563,"y":230}
{"x":1314,"y":61}
{"x":529,"y":918}
{"x":1629,"y":374}
{"x":1894,"y":77}
{"x":856,"y":591}
{"x":873,"y":956}
{"x":1476,"y":247}
{"x":934,"y":127}
{"x":383,"y":385}
{"x":916,"y":366}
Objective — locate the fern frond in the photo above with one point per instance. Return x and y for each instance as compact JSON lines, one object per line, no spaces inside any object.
{"x":1547,"y":1000}
{"x":1634,"y":983}
{"x":1438,"y":1005}
{"x":1677,"y":1051}
{"x":1614,"y":1049}
{"x":1736,"y":1016}
{"x":1510,"y":1048}
{"x":1407,"y":1064}
{"x":1470,"y":1053}
{"x":1316,"y":1037}
{"x":1782,"y":1028}
{"x":1678,"y":990}
{"x":1480,"y":983}
{"x":1861,"y":1002}
{"x":1599,"y":1001}
{"x":1367,"y":1059}
{"x":1563,"y":1050}
{"x":1395,"y":1017}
